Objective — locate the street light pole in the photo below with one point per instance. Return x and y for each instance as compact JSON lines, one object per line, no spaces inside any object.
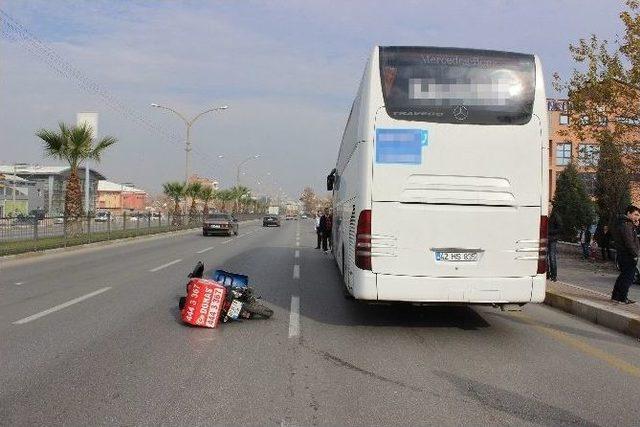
{"x":188,"y":123}
{"x":238,"y":176}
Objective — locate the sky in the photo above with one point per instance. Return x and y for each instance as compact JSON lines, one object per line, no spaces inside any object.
{"x":288,"y":70}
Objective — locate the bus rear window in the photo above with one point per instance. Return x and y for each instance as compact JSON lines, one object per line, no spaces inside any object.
{"x":462,"y":86}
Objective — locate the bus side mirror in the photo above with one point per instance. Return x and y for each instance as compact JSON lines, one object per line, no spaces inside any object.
{"x":330,"y":180}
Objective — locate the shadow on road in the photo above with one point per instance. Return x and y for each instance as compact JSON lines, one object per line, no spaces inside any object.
{"x":321,"y":296}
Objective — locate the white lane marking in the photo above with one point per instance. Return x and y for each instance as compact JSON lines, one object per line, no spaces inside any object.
{"x":205,"y":250}
{"x":297,"y":254}
{"x":60,"y":307}
{"x":297,"y":243}
{"x":296,"y":271}
{"x":226,"y":241}
{"x":294,"y":317}
{"x":19,"y":283}
{"x":153,"y":270}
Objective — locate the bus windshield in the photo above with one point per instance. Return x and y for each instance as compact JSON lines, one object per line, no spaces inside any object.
{"x":462,"y":86}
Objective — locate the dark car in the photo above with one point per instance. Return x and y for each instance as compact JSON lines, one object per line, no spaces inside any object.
{"x":220,"y":223}
{"x":271,"y":220}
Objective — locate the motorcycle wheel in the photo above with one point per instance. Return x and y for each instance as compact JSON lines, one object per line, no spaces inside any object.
{"x":259,"y":309}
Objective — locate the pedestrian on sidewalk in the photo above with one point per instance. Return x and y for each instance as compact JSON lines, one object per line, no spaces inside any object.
{"x":318,"y":235}
{"x":555,"y":228}
{"x":627,"y":249}
{"x":585,"y":241}
{"x":602,"y":237}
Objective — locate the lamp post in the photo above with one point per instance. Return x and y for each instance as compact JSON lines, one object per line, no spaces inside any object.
{"x":239,"y":165}
{"x":188,"y":124}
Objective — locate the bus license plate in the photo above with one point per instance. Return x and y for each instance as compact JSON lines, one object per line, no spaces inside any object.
{"x":457,"y":256}
{"x":234,"y":309}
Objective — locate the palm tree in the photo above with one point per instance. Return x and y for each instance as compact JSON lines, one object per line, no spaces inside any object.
{"x":175,"y":190}
{"x":241,"y":195}
{"x":206,"y":195}
{"x":225,"y":196}
{"x":193,"y":190}
{"x":74,"y":145}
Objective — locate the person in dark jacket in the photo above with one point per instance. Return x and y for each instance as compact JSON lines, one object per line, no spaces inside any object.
{"x":585,"y":241}
{"x":322,"y":229}
{"x":555,"y":228}
{"x":603,"y":239}
{"x":628,"y":249}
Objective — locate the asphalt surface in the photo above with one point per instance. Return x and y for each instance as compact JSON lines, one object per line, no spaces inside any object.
{"x":93,"y":337}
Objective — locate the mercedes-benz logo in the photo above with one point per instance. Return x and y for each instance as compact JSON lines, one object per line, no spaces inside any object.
{"x":460,"y":112}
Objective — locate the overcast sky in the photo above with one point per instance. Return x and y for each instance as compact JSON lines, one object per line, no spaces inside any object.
{"x":287,"y":69}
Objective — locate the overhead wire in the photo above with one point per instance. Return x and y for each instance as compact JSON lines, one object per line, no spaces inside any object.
{"x":11,"y":29}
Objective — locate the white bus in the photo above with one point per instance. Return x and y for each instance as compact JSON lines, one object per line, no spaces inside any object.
{"x":440,"y":190}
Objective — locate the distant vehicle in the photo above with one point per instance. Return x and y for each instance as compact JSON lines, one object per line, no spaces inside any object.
{"x":58,"y":220}
{"x":271,"y":220}
{"x":22,"y":219}
{"x":439,"y":188}
{"x":304,"y":216}
{"x":220,"y":223}
{"x":290,"y":216}
{"x":274,"y":210}
{"x":102,"y":217}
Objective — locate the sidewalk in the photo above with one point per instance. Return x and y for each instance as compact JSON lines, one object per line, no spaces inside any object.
{"x":584,"y":290}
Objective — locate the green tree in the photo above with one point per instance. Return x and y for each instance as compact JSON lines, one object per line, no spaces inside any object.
{"x":193,"y":190}
{"x":572,"y":203}
{"x":604,"y":100}
{"x":175,"y":191}
{"x":242,"y":196}
{"x":74,"y":145}
{"x":612,"y":183}
{"x":225,"y":196}
{"x":206,"y":195}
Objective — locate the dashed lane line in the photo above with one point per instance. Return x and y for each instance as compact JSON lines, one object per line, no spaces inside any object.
{"x":296,"y":271}
{"x":60,"y":307}
{"x":153,"y":270}
{"x":205,"y":250}
{"x":296,"y":254}
{"x":294,"y":317}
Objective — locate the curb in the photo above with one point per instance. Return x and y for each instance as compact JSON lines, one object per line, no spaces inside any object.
{"x":100,"y":244}
{"x":600,"y":314}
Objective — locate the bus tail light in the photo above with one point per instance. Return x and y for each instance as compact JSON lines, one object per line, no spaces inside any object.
{"x":542,"y":253}
{"x":363,"y":240}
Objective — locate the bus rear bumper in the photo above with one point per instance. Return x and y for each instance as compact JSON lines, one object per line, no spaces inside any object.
{"x":470,"y":290}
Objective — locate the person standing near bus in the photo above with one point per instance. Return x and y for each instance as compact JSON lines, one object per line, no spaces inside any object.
{"x":555,"y":228}
{"x":585,"y":241}
{"x":628,"y":249}
{"x":318,"y":235}
{"x":322,"y":229}
{"x":329,"y":230}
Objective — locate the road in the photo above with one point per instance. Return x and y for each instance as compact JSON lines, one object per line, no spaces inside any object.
{"x":93,"y":337}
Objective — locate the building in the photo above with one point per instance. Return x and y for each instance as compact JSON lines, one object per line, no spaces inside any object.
{"x":564,"y":149}
{"x":118,"y":198}
{"x":15,"y":194}
{"x":206,"y":182}
{"x":49,"y":183}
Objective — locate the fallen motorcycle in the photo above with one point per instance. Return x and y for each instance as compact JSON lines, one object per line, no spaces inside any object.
{"x":238,"y":298}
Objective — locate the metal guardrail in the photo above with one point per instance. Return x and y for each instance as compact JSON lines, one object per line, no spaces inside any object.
{"x":24,"y":234}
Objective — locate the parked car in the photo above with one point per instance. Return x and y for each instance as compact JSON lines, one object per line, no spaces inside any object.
{"x":271,"y":220}
{"x":22,"y":219}
{"x":220,"y":223}
{"x":102,"y":217}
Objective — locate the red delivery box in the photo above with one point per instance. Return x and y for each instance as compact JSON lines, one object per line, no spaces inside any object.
{"x":203,"y":304}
